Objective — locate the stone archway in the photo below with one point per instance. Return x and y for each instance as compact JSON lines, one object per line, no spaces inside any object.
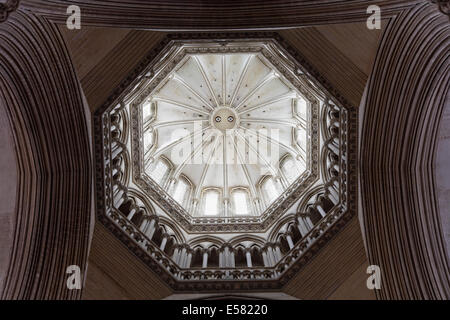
{"x":401,"y":120}
{"x":50,"y":221}
{"x":406,"y":94}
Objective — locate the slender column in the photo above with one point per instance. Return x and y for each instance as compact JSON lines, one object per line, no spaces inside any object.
{"x":183,"y":257}
{"x":290,"y":242}
{"x":221,"y":259}
{"x":332,"y":195}
{"x":270,"y":257}
{"x":118,"y":198}
{"x":308,"y":222}
{"x":227,"y":257}
{"x":116,"y":151}
{"x":119,"y":202}
{"x":336,"y":184}
{"x":302,"y":226}
{"x":226,"y":203}
{"x":225,"y":175}
{"x":151,"y":229}
{"x":283,"y":180}
{"x":333,"y":148}
{"x":163,"y":243}
{"x":333,"y":191}
{"x":188,"y":261}
{"x":148,"y":226}
{"x":171,"y":186}
{"x":266,"y":261}
{"x":321,"y":211}
{"x":113,"y":125}
{"x":194,"y":206}
{"x":249,"y":259}
{"x":232,"y":264}
{"x":258,"y":205}
{"x":175,"y":255}
{"x":278,"y":253}
{"x":144,"y":225}
{"x":205,"y":260}
{"x":131,"y":214}
{"x":336,"y":167}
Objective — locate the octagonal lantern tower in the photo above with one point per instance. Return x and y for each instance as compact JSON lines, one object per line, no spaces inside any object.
{"x":226,"y":160}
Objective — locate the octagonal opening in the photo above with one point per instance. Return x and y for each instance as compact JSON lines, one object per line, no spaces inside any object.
{"x":229,"y":130}
{"x":177,"y":149}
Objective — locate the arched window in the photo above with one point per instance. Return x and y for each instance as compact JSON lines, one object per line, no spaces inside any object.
{"x":301,"y":108}
{"x":240,"y":260}
{"x":257,"y":259}
{"x":158,"y":235}
{"x":284,"y":245}
{"x":182,"y":191}
{"x":270,"y":189}
{"x":169,"y":248}
{"x":240,"y":202}
{"x":211,"y":200}
{"x":149,"y":140}
{"x":197,"y":258}
{"x":290,"y":168}
{"x":126,"y":207}
{"x":301,"y":139}
{"x":138,"y":217}
{"x":148,"y":116}
{"x":160,"y":171}
{"x":213,"y":257}
{"x":296,"y":235}
{"x":148,"y":111}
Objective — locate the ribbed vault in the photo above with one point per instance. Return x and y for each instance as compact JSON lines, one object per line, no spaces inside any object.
{"x":142,"y":177}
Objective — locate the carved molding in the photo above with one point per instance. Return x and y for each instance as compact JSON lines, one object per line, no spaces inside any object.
{"x":44,"y":105}
{"x":406,"y":95}
{"x":218,"y":16}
